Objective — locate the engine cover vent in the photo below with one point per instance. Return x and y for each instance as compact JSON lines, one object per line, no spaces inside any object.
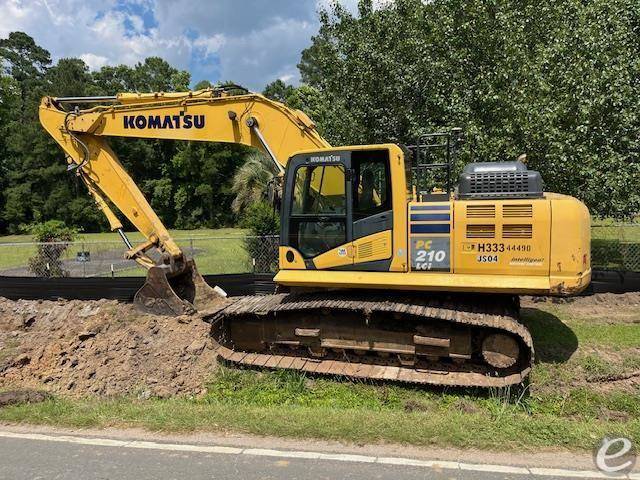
{"x":499,"y":180}
{"x":481,"y":231}
{"x":515,"y":211}
{"x":365,"y":250}
{"x":481,"y":211}
{"x":517,"y":231}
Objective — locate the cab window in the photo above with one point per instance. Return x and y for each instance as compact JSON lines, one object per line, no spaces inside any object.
{"x":373,"y":189}
{"x":319,"y":190}
{"x":318,"y":222}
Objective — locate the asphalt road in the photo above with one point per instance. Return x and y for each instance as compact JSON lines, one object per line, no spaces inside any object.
{"x":25,"y":458}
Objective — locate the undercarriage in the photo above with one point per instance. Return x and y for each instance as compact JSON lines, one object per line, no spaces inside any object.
{"x":453,"y":340}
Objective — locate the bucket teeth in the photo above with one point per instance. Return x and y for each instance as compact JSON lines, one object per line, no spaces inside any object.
{"x":179,"y":294}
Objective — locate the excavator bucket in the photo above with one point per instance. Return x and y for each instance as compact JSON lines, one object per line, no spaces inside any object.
{"x":178,"y":294}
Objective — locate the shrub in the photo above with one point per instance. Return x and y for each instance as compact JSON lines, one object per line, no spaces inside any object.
{"x":263,"y":224}
{"x":52,"y":237}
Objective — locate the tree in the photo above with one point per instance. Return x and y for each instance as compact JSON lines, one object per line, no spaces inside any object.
{"x":278,"y":91}
{"x":38,"y":185}
{"x":188,"y":183}
{"x":156,"y":75}
{"x":9,"y":95}
{"x":555,"y":80}
{"x":305,"y":98}
{"x":111,"y":80}
{"x":70,"y":77}
{"x":24,"y":61}
{"x":202,"y":84}
{"x":200,"y":190}
{"x":251,"y":181}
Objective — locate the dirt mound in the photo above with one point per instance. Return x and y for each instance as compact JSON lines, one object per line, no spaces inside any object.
{"x":601,"y":307}
{"x":104,"y":348}
{"x":630,"y":299}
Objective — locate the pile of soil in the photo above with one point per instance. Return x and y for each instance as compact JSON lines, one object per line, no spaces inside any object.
{"x":103,"y":348}
{"x":608,"y":307}
{"x":629,"y":299}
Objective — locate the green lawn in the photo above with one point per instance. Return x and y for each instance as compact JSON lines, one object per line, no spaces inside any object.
{"x":216,"y":251}
{"x":222,"y":250}
{"x":135,"y":236}
{"x":608,"y":229}
{"x":572,"y":400}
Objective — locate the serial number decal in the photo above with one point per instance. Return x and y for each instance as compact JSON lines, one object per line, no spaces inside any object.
{"x":496,"y":247}
{"x":487,"y":258}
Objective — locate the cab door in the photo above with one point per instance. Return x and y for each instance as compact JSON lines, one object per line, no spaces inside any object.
{"x":319,"y":221}
{"x":371,"y":209}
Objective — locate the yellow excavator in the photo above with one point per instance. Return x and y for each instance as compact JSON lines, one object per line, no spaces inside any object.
{"x":377,"y":278}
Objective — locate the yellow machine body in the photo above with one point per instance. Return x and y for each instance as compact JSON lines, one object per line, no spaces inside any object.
{"x":536,"y":246}
{"x":524,"y":246}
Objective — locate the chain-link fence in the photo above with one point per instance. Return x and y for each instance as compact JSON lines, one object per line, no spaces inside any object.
{"x":213,"y":255}
{"x":616,"y":246}
{"x":613,"y":247}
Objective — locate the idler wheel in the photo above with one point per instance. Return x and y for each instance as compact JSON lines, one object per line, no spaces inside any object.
{"x":500,"y":351}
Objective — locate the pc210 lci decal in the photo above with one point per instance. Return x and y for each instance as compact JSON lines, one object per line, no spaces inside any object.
{"x":430,"y":253}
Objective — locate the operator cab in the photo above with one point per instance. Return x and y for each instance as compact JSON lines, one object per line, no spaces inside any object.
{"x":333,"y":198}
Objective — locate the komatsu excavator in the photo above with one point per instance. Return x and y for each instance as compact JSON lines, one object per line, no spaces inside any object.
{"x":377,"y":279}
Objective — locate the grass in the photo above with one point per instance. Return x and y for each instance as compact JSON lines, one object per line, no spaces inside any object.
{"x":565,"y":405}
{"x":226,"y":253}
{"x":492,"y":427}
{"x":134,"y":236}
{"x":216,"y":251}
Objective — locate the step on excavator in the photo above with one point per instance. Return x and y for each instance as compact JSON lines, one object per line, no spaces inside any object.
{"x":379,"y":276}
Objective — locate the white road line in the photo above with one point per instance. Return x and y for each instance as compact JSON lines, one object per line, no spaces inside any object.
{"x":475,"y":467}
{"x":280,"y":453}
{"x":184,"y":448}
{"x":343,"y":457}
{"x":411,"y":462}
{"x":338,"y":457}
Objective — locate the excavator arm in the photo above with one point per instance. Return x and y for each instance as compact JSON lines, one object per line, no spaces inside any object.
{"x":213,"y":115}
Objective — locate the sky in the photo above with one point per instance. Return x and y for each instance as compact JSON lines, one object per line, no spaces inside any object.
{"x":250,"y":42}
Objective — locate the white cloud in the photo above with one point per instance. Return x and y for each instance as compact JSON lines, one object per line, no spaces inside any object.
{"x":251,"y":42}
{"x":262,"y":56}
{"x":94,"y":61}
{"x":211,"y":45}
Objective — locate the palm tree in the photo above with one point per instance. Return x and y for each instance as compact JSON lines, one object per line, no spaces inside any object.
{"x":251,"y":180}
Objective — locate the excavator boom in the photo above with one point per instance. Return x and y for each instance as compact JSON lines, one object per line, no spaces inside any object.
{"x":215,"y":115}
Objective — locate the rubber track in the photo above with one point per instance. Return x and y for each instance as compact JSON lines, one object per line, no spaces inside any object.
{"x":476,"y":311}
